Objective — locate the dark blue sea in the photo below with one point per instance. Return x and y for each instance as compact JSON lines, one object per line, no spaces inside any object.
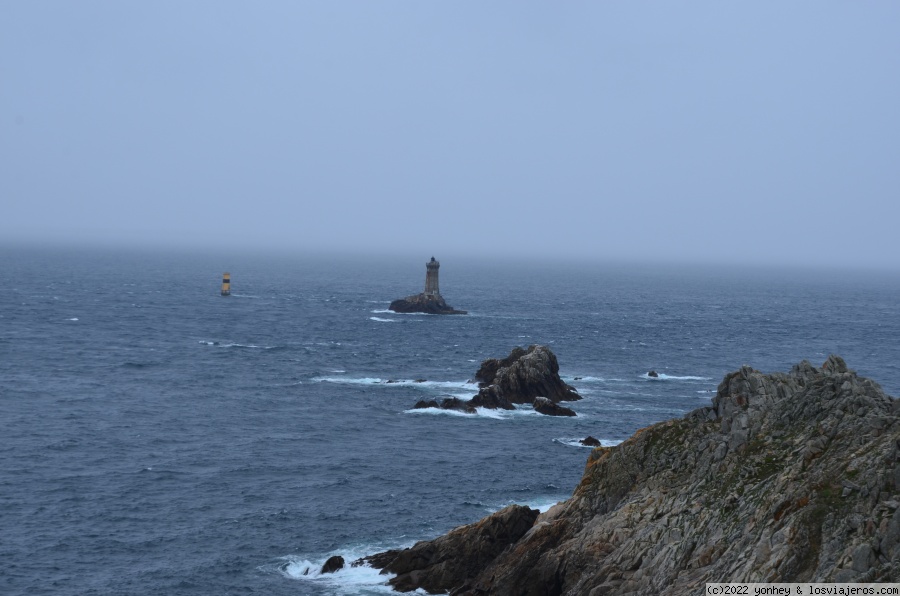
{"x":157,"y":438}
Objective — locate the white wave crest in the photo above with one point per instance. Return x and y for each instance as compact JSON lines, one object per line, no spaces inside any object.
{"x":385,"y":311}
{"x":348,"y":580}
{"x":577,"y":442}
{"x":665,"y":377}
{"x":350,"y":381}
{"x":250,"y":346}
{"x":235,"y":345}
{"x":380,"y":320}
{"x":496,"y":414}
{"x":446,"y":385}
{"x":436,"y":412}
{"x":543,"y":505}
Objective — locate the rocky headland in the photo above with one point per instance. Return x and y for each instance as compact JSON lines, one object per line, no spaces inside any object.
{"x":424,"y":303}
{"x":524,"y":377}
{"x":786,"y":477}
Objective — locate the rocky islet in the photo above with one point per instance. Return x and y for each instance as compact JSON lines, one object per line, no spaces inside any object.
{"x":526,"y":376}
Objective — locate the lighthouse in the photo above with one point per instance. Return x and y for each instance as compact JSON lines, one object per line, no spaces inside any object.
{"x":431,"y":278}
{"x":226,"y":284}
{"x":430,"y":301}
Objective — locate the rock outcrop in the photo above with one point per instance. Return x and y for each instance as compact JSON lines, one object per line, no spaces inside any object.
{"x":784,"y":478}
{"x":523,"y":376}
{"x":441,"y":564}
{"x":335,"y":563}
{"x":424,"y":303}
{"x":448,"y":403}
{"x":550,"y":408}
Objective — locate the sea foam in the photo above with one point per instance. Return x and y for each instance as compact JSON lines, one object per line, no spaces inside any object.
{"x":665,"y":377}
{"x":348,"y":580}
{"x":577,"y":442}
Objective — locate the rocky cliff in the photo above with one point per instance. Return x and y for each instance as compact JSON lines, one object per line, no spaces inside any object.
{"x":784,"y":478}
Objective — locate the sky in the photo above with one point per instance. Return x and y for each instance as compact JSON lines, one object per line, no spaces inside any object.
{"x":722,"y":132}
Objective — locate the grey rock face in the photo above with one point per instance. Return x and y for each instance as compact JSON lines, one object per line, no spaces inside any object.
{"x":525,"y":375}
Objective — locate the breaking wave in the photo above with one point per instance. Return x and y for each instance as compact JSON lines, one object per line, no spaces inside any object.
{"x":665,"y":377}
{"x":577,"y":442}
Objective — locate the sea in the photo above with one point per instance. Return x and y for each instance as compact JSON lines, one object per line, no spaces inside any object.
{"x":158,"y":438}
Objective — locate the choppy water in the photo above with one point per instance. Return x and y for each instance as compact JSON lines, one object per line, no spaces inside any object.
{"x":156,"y":438}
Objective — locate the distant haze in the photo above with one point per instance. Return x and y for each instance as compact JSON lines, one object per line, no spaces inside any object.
{"x":763,"y":132}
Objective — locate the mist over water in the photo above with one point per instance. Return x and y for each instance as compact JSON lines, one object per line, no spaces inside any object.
{"x":158,"y":438}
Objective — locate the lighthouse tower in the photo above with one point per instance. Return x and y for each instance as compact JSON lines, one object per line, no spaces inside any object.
{"x":431,"y":278}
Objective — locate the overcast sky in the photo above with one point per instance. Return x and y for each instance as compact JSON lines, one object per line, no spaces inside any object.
{"x":660,"y":131}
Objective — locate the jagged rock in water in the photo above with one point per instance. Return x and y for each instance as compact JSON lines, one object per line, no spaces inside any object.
{"x":424,"y":404}
{"x":454,"y":403}
{"x":424,"y":303}
{"x":590,"y":442}
{"x":787,"y":478}
{"x":549,"y":408}
{"x":525,"y":375}
{"x":438,"y":565}
{"x":491,"y":397}
{"x":653,"y":374}
{"x":518,"y":379}
{"x":333,"y":564}
{"x":487,"y":372}
{"x":378,"y":560}
{"x":448,"y":403}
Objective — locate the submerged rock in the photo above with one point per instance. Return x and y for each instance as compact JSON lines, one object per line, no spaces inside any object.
{"x":785,"y":478}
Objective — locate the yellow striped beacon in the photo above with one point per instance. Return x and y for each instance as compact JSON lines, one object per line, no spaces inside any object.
{"x":226,"y":284}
